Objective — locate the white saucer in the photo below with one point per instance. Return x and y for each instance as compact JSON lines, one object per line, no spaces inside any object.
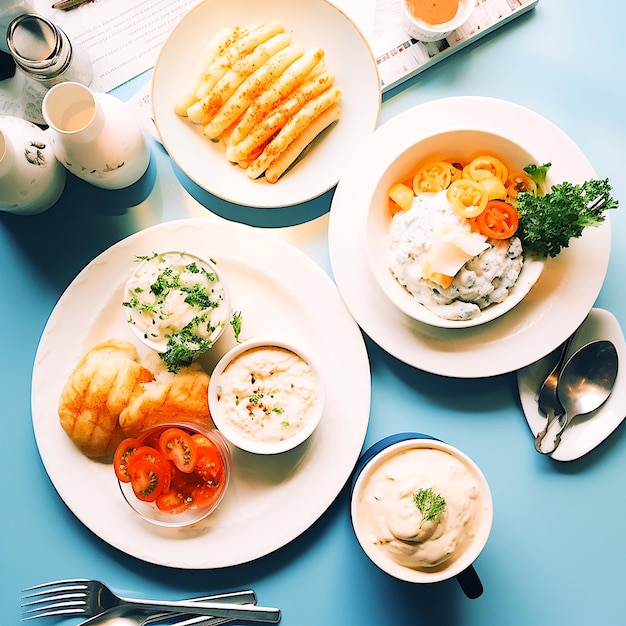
{"x":587,"y":431}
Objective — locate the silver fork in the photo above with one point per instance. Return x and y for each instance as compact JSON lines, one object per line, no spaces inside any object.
{"x":90,"y":597}
{"x":143,"y":618}
{"x":548,"y":400}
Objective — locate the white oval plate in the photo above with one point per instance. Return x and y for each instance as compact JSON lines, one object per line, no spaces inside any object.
{"x":555,"y":306}
{"x":587,"y":431}
{"x":310,"y":23}
{"x":270,"y":501}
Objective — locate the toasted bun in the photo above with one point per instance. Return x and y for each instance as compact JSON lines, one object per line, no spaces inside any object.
{"x":181,"y":397}
{"x":101,"y":386}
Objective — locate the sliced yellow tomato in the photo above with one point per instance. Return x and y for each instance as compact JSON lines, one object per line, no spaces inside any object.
{"x":518,"y":182}
{"x":467,"y":197}
{"x":433,"y":177}
{"x":489,"y":163}
{"x":456,"y":170}
{"x":493,"y":186}
{"x":402,"y":195}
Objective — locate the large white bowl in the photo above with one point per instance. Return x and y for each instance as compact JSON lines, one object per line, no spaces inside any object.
{"x":311,"y":23}
{"x":462,"y":144}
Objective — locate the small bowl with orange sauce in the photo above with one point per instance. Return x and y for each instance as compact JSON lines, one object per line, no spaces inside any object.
{"x":430,"y":20}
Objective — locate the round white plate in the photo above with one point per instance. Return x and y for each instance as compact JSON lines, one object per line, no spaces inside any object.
{"x":310,"y":23}
{"x":556,"y":305}
{"x":586,"y":431}
{"x":270,"y":501}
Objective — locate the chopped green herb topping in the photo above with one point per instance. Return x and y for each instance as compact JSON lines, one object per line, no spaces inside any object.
{"x":430,"y":504}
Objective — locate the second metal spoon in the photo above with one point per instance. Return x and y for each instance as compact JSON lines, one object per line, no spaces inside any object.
{"x":585,"y":384}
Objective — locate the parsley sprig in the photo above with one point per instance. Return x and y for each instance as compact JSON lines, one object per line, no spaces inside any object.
{"x":430,"y":504}
{"x":548,"y":222}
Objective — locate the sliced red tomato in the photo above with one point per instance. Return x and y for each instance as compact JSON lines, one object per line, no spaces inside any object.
{"x":151,"y":455}
{"x":205,"y":495}
{"x":499,"y":220}
{"x":209,"y":464}
{"x":173,"y":501}
{"x":201,"y":440}
{"x":179,"y":447}
{"x":148,"y":478}
{"x":120,"y":459}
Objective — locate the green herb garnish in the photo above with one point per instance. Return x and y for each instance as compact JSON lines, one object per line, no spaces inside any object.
{"x":538,"y":173}
{"x":235,"y":322}
{"x":549,"y":221}
{"x":430,"y":504}
{"x":183,"y":346}
{"x":199,"y":297}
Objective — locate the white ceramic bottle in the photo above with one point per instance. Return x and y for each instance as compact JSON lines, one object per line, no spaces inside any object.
{"x":95,"y":136}
{"x":31,"y":178}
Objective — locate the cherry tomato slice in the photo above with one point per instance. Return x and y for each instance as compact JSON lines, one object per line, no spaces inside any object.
{"x":467,"y":197}
{"x":499,"y":220}
{"x":179,"y":447}
{"x":489,"y":163}
{"x":201,"y":440}
{"x":173,"y":501}
{"x":209,"y":465}
{"x":520,"y":182}
{"x":206,"y":495}
{"x":151,"y":455}
{"x":432,"y":178}
{"x":148,"y":478}
{"x":120,"y":459}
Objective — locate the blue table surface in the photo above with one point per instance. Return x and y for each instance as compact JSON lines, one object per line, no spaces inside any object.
{"x":557,"y":548}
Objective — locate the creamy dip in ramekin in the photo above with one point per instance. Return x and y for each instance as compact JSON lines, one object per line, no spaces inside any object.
{"x":266,"y":396}
{"x":177,"y":303}
{"x":397,"y":535}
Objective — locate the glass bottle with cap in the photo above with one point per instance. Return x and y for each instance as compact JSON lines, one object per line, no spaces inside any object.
{"x":43,"y":52}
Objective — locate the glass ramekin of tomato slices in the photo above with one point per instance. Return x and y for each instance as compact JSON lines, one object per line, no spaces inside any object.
{"x":174,"y":474}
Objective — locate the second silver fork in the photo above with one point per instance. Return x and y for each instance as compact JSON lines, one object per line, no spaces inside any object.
{"x":548,"y":400}
{"x":142,"y":618}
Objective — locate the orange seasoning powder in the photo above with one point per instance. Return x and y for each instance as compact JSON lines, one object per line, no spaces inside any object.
{"x":433,"y":11}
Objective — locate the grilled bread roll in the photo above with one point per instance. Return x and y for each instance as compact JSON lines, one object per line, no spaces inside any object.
{"x":98,"y":390}
{"x":170,"y":397}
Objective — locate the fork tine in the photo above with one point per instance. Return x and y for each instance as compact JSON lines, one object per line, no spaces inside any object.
{"x":74,"y":583}
{"x":62,"y":608}
{"x":56,"y":598}
{"x":48,"y":599}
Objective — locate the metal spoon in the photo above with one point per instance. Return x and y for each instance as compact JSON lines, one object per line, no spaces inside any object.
{"x":585,"y":384}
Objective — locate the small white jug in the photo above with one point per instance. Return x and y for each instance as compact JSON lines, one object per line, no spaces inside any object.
{"x":31,"y":178}
{"x":95,"y":136}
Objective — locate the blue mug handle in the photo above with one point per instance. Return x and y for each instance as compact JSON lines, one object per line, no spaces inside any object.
{"x":468,"y":579}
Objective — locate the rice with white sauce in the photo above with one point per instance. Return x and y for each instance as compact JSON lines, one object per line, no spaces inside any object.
{"x":484,"y":280}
